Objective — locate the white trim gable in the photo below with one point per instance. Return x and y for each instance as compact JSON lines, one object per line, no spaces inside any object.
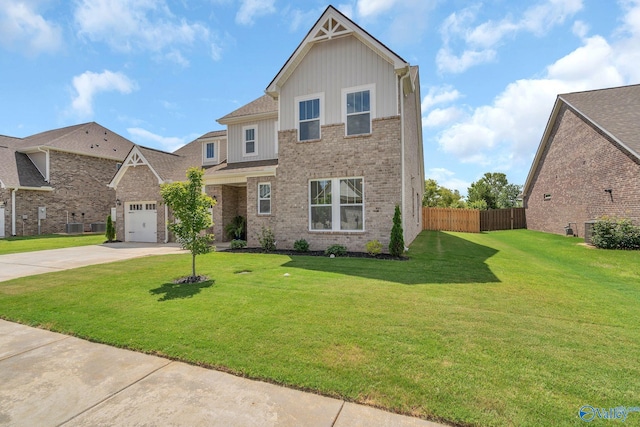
{"x":134,"y":158}
{"x":333,"y":24}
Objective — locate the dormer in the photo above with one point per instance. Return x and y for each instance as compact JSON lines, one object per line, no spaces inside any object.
{"x":214,"y":148}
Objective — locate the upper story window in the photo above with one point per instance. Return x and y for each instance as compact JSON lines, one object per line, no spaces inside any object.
{"x":358,"y":110}
{"x":249,"y":143}
{"x":210,"y":151}
{"x":309,"y":115}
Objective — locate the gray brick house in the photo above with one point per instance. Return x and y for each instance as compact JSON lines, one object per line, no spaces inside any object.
{"x":588,"y":162}
{"x":325,"y":155}
{"x":58,"y":177}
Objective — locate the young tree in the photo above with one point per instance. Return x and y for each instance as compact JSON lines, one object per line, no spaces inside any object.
{"x":190,"y":206}
{"x":396,"y":244}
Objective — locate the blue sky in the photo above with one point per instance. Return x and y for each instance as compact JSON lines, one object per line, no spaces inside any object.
{"x":161,"y":72}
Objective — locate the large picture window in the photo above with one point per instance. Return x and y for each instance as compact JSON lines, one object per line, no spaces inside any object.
{"x":358,"y":110}
{"x":264,"y":198}
{"x":336,"y":204}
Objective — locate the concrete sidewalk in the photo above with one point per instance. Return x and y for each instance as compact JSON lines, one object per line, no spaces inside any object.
{"x":31,"y":263}
{"x":49,"y":379}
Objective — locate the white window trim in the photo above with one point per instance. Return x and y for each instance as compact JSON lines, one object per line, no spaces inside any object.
{"x":270,"y":199}
{"x":255,"y":141}
{"x":335,"y":206}
{"x":206,"y":159}
{"x":298,"y":100}
{"x":372,"y":105}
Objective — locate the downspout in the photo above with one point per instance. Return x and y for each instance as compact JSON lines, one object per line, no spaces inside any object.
{"x":166,"y":223}
{"x":13,"y":211}
{"x":402,"y":198}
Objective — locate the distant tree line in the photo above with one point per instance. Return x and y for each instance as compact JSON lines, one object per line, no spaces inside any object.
{"x":491,"y":191}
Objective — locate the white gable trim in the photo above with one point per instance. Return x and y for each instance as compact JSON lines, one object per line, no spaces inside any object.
{"x":134,"y":158}
{"x":333,"y":24}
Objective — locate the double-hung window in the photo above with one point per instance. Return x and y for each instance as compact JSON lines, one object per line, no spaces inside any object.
{"x":309,"y":117}
{"x":264,"y":198}
{"x":249,"y":143}
{"x":210,"y":151}
{"x":336,"y":204}
{"x":358,"y":110}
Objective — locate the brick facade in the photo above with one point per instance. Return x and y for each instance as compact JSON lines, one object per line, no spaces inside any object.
{"x":79,"y":187}
{"x":139,"y":184}
{"x":375,"y":157}
{"x":576,"y":167}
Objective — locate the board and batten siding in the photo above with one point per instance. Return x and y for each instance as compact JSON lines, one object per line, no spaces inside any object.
{"x":265,"y":141}
{"x":332,"y":66}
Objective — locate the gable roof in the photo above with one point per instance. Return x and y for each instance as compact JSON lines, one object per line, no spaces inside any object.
{"x":333,"y":24}
{"x":262,"y":108}
{"x":614,"y":111}
{"x":89,"y":139}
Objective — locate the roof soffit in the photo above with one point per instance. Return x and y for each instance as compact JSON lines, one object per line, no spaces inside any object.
{"x":332,"y":24}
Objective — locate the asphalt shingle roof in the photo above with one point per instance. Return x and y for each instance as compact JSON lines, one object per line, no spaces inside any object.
{"x":264,"y":104}
{"x":615,"y":110}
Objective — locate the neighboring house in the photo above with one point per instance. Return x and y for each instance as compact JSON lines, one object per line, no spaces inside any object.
{"x":59,"y":177}
{"x":324,"y":156}
{"x":588,"y":162}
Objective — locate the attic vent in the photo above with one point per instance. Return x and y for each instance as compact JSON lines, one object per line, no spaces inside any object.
{"x":330,"y":29}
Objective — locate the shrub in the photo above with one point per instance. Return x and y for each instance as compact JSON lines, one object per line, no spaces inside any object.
{"x":236,"y":228}
{"x":110,"y":232}
{"x":396,"y":245}
{"x":238,"y":244}
{"x":611,"y":233}
{"x":374,"y":247}
{"x":337,"y":250}
{"x":301,"y":245}
{"x":267,"y":240}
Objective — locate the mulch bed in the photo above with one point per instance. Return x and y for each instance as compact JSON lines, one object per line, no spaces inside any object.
{"x":317,"y":253}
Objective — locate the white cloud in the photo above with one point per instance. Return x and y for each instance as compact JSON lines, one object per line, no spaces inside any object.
{"x":446,"y":178}
{"x":23,"y":29}
{"x":300,"y":19}
{"x":580,"y":29}
{"x":88,"y":84}
{"x":250,"y":9}
{"x":166,"y":143}
{"x":442,"y":116}
{"x":480,"y":42}
{"x":438,"y":95}
{"x":368,"y":8}
{"x":138,"y":25}
{"x":508,"y":131}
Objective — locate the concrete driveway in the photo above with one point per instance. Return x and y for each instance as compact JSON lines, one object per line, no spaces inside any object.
{"x":30,"y":263}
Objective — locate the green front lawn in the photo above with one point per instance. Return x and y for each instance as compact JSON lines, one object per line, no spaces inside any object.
{"x":12,"y":245}
{"x":503,"y":328}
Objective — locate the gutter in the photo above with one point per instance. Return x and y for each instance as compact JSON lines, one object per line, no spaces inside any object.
{"x":13,"y":211}
{"x":404,"y":76}
{"x":46,"y":162}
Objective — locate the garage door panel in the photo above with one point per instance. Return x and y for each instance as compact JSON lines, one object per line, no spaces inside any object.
{"x":141,"y":222}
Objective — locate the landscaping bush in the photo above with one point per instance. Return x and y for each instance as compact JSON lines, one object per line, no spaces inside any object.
{"x":396,"y":245}
{"x":301,"y":245}
{"x":337,"y":250}
{"x":236,"y":228}
{"x":267,"y":240}
{"x":238,"y":244}
{"x":373,"y":247}
{"x":612,"y":233}
{"x":110,"y":232}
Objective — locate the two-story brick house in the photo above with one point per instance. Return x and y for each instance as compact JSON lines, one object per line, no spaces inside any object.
{"x":325,"y":154}
{"x":58,"y":178}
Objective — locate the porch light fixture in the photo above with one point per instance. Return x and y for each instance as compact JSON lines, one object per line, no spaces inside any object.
{"x":118,"y":202}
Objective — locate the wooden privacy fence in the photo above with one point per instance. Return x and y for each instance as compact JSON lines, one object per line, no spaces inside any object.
{"x":472,"y":220}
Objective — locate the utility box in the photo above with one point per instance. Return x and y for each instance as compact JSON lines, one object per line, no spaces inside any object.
{"x":42,"y":212}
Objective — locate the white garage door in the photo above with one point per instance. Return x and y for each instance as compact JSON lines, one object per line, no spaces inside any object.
{"x":2,"y":222}
{"x":141,"y":222}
